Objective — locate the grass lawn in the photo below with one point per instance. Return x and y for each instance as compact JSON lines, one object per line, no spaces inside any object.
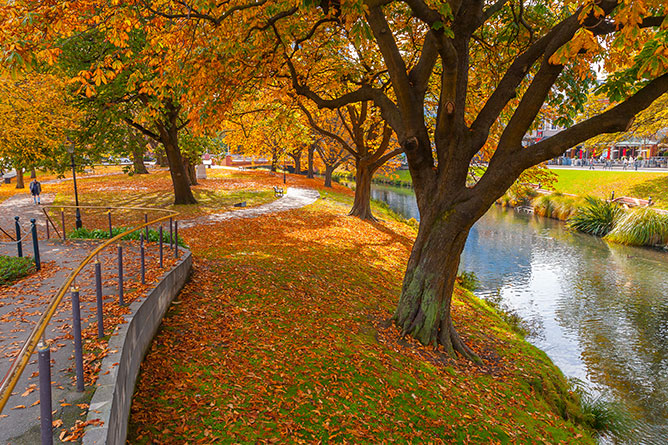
{"x":282,"y":335}
{"x":624,"y":183}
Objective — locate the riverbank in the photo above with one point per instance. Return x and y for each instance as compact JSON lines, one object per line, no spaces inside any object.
{"x":613,"y":220}
{"x":283,"y":334}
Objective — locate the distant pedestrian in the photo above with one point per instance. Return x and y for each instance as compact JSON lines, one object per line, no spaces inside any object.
{"x":635,"y":164}
{"x":35,"y":190}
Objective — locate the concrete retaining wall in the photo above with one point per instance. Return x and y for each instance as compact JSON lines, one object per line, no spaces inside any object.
{"x":113,"y":395}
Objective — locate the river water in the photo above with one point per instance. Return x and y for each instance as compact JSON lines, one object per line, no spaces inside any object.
{"x":599,"y":310}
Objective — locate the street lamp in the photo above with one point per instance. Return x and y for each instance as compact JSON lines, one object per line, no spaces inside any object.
{"x":78,"y":223}
{"x":285,"y":167}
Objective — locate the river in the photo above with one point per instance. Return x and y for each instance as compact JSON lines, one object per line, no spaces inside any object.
{"x":599,"y":310}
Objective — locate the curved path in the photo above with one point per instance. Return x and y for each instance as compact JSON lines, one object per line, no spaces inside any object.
{"x":294,"y":198}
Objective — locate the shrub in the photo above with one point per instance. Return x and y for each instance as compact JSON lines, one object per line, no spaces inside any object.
{"x":544,"y":206}
{"x":597,"y":217}
{"x":14,"y":268}
{"x":603,"y":416}
{"x":468,"y":280}
{"x":153,"y":235}
{"x":642,"y":227}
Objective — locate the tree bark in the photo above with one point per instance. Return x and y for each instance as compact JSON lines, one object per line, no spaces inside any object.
{"x":274,"y":161}
{"x":309,"y":173}
{"x":33,"y":173}
{"x":298,"y":164}
{"x":191,"y":172}
{"x":20,"y":183}
{"x":182,"y":192}
{"x":362,"y":204}
{"x":424,"y":306}
{"x":138,"y":161}
{"x":329,"y":170}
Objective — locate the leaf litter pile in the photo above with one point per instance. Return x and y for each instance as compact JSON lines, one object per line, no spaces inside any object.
{"x":283,"y":335}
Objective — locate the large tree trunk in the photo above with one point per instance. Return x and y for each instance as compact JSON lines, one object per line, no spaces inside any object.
{"x":424,"y":307}
{"x":182,"y":192}
{"x":33,"y":173}
{"x":362,"y":205}
{"x":329,"y":170}
{"x":20,"y":183}
{"x":311,"y":150}
{"x":274,"y":161}
{"x":160,"y":158}
{"x":138,"y":161}
{"x":191,"y":172}
{"x":298,"y":163}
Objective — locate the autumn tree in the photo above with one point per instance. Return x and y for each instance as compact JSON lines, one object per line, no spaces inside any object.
{"x":35,"y":119}
{"x":366,"y":137}
{"x":440,"y":53}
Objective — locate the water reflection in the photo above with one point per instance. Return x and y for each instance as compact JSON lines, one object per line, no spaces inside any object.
{"x":603,"y":308}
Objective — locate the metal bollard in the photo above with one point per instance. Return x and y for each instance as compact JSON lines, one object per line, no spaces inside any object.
{"x":171,"y":233}
{"x":176,"y":239}
{"x":111,"y":232}
{"x":160,"y":244}
{"x":62,"y":220}
{"x":120,"y":275}
{"x":142,"y":257}
{"x":98,"y":295}
{"x":44,"y":354}
{"x":19,"y":246}
{"x":146,"y":228}
{"x":35,"y":243}
{"x":47,"y":230}
{"x":78,"y":350}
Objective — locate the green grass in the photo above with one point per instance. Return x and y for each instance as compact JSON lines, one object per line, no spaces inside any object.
{"x":15,"y":268}
{"x":601,"y":184}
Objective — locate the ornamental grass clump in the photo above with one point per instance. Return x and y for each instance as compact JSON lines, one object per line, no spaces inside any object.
{"x":544,"y":205}
{"x":642,"y":227}
{"x":597,"y":217}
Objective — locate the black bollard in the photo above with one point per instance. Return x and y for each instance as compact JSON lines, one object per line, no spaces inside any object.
{"x":47,"y":230}
{"x":120,"y":275}
{"x":76,"y":332}
{"x":35,"y":243}
{"x":171,"y":233}
{"x":160,"y":244}
{"x":98,"y":295}
{"x":176,"y":239}
{"x":146,"y":228}
{"x":62,"y":220}
{"x":45,"y":402}
{"x":111,"y":232}
{"x":19,"y":246}
{"x":142,"y":257}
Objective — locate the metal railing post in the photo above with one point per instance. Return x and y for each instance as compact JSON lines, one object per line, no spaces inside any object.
{"x":120,"y":275}
{"x":47,"y":230}
{"x":98,"y":299}
{"x":78,"y":349}
{"x":176,"y":239}
{"x":46,"y":418}
{"x":62,"y":220}
{"x":35,"y":243}
{"x":146,"y":228}
{"x":171,"y":233}
{"x":160,"y":245}
{"x":142,"y":258}
{"x":111,"y":231}
{"x":19,"y":246}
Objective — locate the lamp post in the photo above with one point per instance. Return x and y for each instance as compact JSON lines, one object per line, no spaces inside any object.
{"x":77,"y":223}
{"x":284,"y":167}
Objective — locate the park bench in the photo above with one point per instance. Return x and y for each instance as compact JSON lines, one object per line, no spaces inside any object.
{"x":8,"y":177}
{"x":278,"y":191}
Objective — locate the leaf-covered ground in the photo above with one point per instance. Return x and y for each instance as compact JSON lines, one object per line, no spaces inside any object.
{"x":282,"y":335}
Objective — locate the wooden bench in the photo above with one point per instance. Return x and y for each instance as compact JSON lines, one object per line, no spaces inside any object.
{"x":278,"y":192}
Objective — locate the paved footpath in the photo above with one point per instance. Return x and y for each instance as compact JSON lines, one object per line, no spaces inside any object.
{"x":294,"y":198}
{"x":22,"y":304}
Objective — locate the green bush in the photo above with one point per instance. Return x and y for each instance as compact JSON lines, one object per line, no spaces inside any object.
{"x":597,"y":217}
{"x":153,"y":235}
{"x":641,"y":227}
{"x":468,"y":280}
{"x":14,"y":268}
{"x":601,"y":415}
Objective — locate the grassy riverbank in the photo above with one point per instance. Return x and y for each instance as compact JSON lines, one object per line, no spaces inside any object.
{"x":283,"y":335}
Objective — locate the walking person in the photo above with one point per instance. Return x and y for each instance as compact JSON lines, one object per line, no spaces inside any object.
{"x":35,"y":190}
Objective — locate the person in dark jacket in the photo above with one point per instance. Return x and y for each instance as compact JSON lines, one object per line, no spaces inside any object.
{"x":35,"y":189}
